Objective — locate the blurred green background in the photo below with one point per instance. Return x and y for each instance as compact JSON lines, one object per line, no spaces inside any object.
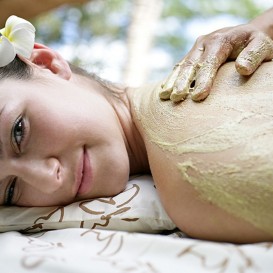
{"x":134,"y":41}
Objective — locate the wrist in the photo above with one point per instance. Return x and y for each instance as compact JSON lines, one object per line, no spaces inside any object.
{"x":264,"y":23}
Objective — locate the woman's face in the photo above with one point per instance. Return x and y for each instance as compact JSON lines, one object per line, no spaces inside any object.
{"x":59,"y":143}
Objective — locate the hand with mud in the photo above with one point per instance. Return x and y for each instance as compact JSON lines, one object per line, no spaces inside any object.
{"x":194,"y":75}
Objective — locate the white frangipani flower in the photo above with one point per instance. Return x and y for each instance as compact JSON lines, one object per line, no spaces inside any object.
{"x":17,"y":37}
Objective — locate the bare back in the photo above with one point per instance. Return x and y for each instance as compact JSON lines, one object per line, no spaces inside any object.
{"x":212,"y":162}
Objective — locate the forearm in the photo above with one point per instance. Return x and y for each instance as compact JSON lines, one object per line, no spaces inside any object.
{"x":264,"y":22}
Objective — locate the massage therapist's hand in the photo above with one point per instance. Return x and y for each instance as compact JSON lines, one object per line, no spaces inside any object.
{"x":246,"y":44}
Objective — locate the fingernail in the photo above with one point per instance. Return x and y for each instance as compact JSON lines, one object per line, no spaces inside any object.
{"x":243,"y":67}
{"x":165,"y":94}
{"x":177,"y":96}
{"x":199,"y":95}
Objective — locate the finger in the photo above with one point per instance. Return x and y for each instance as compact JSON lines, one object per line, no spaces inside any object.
{"x":186,"y":75}
{"x":182,"y":84}
{"x":167,"y":86}
{"x":207,"y":72}
{"x":204,"y":82}
{"x":258,"y":50}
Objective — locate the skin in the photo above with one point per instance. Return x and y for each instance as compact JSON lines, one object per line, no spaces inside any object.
{"x":57,"y":130}
{"x":212,"y":161}
{"x":65,"y":113}
{"x":248,"y":44}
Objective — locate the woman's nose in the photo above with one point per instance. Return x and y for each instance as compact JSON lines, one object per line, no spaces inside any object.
{"x":42,"y":174}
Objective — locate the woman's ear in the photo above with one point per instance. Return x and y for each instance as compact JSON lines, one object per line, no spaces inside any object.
{"x":47,"y":58}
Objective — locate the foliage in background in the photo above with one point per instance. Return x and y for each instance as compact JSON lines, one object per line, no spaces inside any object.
{"x":183,"y":12}
{"x":81,"y":23}
{"x":108,"y":21}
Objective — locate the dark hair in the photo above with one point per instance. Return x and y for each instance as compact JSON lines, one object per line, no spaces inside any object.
{"x":114,"y":89}
{"x":18,"y":69}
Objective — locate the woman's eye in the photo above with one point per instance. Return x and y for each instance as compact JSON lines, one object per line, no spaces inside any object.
{"x":18,"y":132}
{"x":10,"y":192}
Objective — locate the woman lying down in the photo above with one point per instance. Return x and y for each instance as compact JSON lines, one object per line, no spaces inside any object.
{"x":68,"y":136}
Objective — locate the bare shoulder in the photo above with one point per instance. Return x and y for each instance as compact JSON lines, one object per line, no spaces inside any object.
{"x":200,"y":156}
{"x":193,"y":214}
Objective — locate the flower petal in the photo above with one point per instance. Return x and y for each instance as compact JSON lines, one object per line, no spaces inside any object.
{"x":13,"y":23}
{"x":7,"y":51}
{"x":23,"y":41}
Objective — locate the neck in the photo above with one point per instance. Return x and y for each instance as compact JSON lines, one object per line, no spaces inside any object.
{"x":134,"y":142}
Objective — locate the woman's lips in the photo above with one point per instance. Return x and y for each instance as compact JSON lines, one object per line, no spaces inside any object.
{"x":84,"y":174}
